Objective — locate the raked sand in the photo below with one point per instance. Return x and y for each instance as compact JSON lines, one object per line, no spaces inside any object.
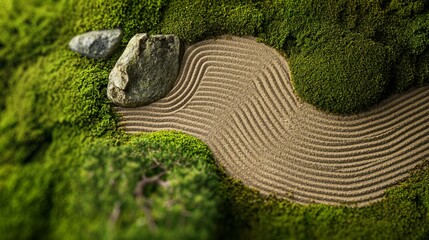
{"x":235,"y":95}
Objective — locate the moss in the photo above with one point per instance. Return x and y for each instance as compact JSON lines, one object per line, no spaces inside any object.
{"x":402,"y":214}
{"x":343,"y":75}
{"x":185,"y":207}
{"x":65,"y":169}
{"x":130,"y":15}
{"x":65,"y":91}
{"x":23,"y":194}
{"x":74,"y":190}
{"x":312,"y":29}
{"x":195,"y":20}
{"x":28,"y":30}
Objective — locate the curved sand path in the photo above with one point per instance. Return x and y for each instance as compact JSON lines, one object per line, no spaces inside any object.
{"x":235,"y":95}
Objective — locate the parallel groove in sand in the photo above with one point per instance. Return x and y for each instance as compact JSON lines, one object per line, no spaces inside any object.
{"x":235,"y":95}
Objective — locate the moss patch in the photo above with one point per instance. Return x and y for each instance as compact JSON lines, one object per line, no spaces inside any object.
{"x":66,"y":171}
{"x":403,"y":214}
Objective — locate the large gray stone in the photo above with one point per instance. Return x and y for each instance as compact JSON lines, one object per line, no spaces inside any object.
{"x":146,"y":71}
{"x":96,"y":44}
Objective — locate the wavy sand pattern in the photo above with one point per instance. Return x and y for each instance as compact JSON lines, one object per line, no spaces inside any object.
{"x":235,"y":94}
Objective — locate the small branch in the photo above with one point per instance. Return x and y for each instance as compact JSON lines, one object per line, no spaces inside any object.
{"x":116,"y":212}
{"x":141,"y":199}
{"x":138,"y":191}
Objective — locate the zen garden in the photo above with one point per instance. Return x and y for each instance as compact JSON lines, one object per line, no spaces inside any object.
{"x":214,"y":119}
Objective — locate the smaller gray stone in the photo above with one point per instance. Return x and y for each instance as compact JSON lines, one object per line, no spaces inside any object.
{"x":96,"y":44}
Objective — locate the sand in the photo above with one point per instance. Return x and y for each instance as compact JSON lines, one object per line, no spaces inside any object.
{"x":235,"y":95}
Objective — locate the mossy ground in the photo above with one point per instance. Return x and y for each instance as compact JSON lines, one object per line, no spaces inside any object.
{"x":66,"y":172}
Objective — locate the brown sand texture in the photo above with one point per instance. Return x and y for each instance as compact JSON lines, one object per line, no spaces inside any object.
{"x":236,"y":96}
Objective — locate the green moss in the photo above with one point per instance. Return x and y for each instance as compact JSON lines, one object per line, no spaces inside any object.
{"x":23,"y":194}
{"x":325,"y":37}
{"x":343,"y":75}
{"x":28,"y":30}
{"x":58,"y":89}
{"x":195,"y":20}
{"x":74,"y":190}
{"x":402,"y":215}
{"x":130,"y":15}
{"x":64,"y":167}
{"x":185,"y":207}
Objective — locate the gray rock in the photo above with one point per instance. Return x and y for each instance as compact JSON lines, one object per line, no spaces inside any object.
{"x":146,"y":71}
{"x":96,"y":44}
